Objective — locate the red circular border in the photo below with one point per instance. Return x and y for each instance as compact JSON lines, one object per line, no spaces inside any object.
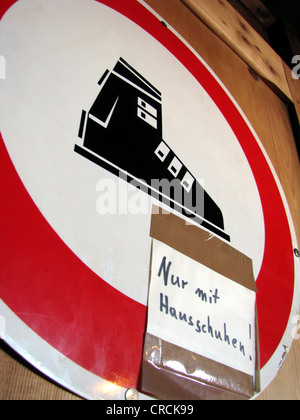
{"x":79,"y":314}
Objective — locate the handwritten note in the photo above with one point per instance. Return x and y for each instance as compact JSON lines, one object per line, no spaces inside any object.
{"x":200,"y":310}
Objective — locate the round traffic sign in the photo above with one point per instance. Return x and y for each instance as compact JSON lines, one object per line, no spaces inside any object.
{"x":75,"y":243}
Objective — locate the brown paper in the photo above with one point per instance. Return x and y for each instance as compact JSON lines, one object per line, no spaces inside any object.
{"x":196,"y":377}
{"x":202,"y":247}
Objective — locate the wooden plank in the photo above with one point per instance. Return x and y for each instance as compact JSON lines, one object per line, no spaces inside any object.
{"x":236,"y":32}
{"x":250,"y":18}
{"x":262,"y":13}
{"x":20,"y":381}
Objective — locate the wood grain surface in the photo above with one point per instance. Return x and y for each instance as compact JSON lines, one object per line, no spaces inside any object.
{"x":19,"y":381}
{"x":244,"y":74}
{"x":236,"y":32}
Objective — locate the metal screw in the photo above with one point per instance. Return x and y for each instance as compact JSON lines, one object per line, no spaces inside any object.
{"x":132,"y":394}
{"x":296,"y":252}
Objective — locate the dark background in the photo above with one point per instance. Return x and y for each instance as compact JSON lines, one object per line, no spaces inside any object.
{"x":277,"y":21}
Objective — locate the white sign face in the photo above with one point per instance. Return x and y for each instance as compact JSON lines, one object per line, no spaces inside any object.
{"x":46,"y":99}
{"x":200,"y":310}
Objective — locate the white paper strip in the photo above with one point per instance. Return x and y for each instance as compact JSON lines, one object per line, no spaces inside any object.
{"x":200,"y":310}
